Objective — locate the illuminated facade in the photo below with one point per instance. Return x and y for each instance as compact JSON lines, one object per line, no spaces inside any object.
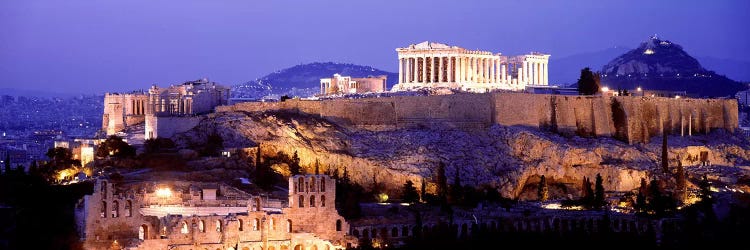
{"x":189,"y":215}
{"x":347,"y":85}
{"x":436,"y":65}
{"x":187,"y":99}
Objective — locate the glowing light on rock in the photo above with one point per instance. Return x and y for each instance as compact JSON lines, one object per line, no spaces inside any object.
{"x":164,"y":192}
{"x":648,"y":52}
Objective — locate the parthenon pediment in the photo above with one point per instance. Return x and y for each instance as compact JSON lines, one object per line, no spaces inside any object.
{"x":431,"y":45}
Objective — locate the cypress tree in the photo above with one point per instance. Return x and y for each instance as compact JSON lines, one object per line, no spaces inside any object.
{"x":294,"y":168}
{"x":410,"y":194}
{"x":442,"y":183}
{"x":664,"y":153}
{"x":317,"y":167}
{"x":543,"y":190}
{"x":7,"y":163}
{"x":599,"y":193}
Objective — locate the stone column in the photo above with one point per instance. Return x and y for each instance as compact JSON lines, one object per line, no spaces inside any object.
{"x":546,"y":76}
{"x":407,"y":69}
{"x":401,"y":70}
{"x":424,"y":69}
{"x":502,"y":73}
{"x":527,"y":71}
{"x":449,"y":69}
{"x":435,"y":69}
{"x":441,"y":73}
{"x":538,"y":73}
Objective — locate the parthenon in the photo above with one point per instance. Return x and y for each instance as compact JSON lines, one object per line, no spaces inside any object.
{"x":436,"y":65}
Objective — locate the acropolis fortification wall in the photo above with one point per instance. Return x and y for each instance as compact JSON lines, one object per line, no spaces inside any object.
{"x":630,"y":118}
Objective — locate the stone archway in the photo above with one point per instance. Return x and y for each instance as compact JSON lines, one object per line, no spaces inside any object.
{"x":143,"y":232}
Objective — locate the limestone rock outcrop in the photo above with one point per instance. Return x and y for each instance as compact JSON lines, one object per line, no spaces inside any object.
{"x":504,"y":157}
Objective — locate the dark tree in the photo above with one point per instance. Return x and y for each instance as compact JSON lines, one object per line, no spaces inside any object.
{"x":409,"y":192}
{"x":589,"y":82}
{"x":680,"y":184}
{"x":423,"y":189}
{"x":707,"y":201}
{"x":587,"y":196}
{"x":640,"y":203}
{"x":7,"y":163}
{"x":60,"y":159}
{"x":456,"y":192}
{"x":664,"y":152}
{"x":115,"y":146}
{"x":294,"y":168}
{"x":543,"y":189}
{"x":317,"y":167}
{"x":599,"y":193}
{"x":263,"y":172}
{"x":442,"y":183}
{"x":214,"y":145}
{"x":158,"y":145}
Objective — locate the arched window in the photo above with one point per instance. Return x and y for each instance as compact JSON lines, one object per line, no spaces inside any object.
{"x":143,"y":232}
{"x":288,"y":226}
{"x":301,"y":201}
{"x":355,"y":233}
{"x":312,"y":201}
{"x":322,"y":184}
{"x":202,"y":226}
{"x":240,"y":221}
{"x":104,"y":189}
{"x":394,"y":232}
{"x":301,"y":184}
{"x":128,"y":208}
{"x":115,"y":209}
{"x":103,"y":212}
{"x":218,"y":225}
{"x":184,"y":228}
{"x":404,"y":231}
{"x":338,"y":225}
{"x":322,"y":200}
{"x":365,"y":234}
{"x":312,"y":184}
{"x":256,"y":224}
{"x":272,"y":223}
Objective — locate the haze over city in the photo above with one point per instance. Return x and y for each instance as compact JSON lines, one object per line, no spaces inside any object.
{"x":115,"y":46}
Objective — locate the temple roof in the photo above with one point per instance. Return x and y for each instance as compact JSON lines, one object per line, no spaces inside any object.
{"x":430,"y":45}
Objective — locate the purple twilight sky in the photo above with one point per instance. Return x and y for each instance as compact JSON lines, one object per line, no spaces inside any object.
{"x":84,"y":46}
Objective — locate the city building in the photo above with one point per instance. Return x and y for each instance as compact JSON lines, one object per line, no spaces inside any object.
{"x":436,"y":65}
{"x":194,"y":215}
{"x":339,"y":84}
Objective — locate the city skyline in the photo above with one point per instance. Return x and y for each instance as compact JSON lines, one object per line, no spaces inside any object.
{"x":83,"y":47}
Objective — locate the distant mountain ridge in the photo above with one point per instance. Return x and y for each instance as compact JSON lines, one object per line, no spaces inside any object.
{"x":304,"y":80}
{"x":663,"y":65}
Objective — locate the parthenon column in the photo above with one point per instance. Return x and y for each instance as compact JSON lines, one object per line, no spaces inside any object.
{"x":424,"y":69}
{"x":527,"y":71}
{"x":503,"y":78}
{"x":440,"y":69}
{"x":546,"y":77}
{"x":485,"y":73}
{"x":400,"y":70}
{"x":538,"y":73}
{"x":449,"y":69}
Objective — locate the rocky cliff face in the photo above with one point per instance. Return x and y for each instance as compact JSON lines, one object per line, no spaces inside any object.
{"x":663,"y":65}
{"x":507,"y":158}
